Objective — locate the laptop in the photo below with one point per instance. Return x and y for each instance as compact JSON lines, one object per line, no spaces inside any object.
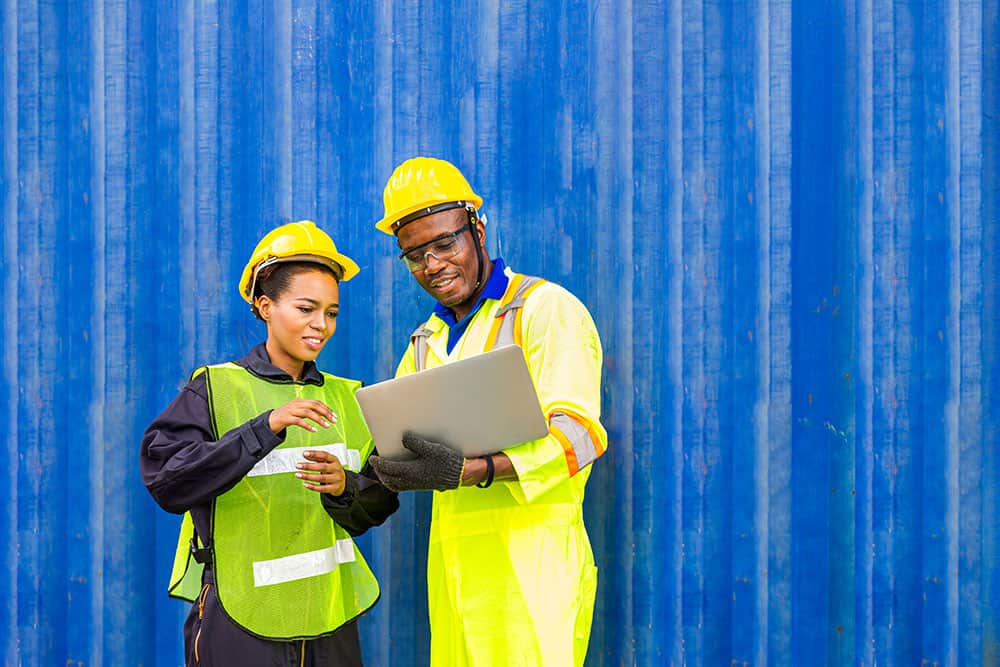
{"x":478,"y":405}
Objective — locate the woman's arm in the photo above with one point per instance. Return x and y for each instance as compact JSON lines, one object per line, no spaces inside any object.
{"x":365,"y":503}
{"x":182,"y":463}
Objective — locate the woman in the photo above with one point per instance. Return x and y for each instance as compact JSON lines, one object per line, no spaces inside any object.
{"x":244,"y":450}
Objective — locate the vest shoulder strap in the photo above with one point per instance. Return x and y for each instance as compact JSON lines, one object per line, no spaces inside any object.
{"x":334,"y":380}
{"x":202,"y":369}
{"x":419,"y":339}
{"x":507,"y":330}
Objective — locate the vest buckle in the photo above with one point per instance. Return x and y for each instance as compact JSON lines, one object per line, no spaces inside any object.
{"x":201,"y":555}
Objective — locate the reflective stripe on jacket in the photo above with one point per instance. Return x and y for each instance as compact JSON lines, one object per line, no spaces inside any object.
{"x":511,"y":576}
{"x":283,"y":569}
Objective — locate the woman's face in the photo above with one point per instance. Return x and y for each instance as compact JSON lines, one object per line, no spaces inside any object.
{"x":300,"y":319}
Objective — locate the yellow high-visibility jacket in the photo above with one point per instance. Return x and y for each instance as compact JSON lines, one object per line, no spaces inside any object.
{"x":510,"y":572}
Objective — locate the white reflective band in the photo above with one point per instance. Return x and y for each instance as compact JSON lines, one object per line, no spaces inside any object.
{"x":301,"y":566}
{"x":579,"y":438}
{"x":284,"y":460}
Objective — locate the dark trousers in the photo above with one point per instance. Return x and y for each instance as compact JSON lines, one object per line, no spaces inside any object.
{"x":212,"y":639}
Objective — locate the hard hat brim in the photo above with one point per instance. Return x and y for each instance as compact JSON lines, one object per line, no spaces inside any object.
{"x":348,"y":267}
{"x":385,"y":224}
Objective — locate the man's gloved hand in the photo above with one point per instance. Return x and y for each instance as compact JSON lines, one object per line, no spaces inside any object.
{"x":437,"y":467}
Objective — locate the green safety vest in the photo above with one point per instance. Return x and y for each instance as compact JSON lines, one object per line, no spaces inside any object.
{"x":283,"y":568}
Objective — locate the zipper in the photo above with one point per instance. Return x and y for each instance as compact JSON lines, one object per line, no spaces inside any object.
{"x":201,"y":614}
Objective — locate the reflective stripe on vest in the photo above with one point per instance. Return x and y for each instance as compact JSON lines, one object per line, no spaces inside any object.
{"x":300,"y":566}
{"x":419,"y":339}
{"x":284,"y":459}
{"x":283,"y":569}
{"x":505,"y":330}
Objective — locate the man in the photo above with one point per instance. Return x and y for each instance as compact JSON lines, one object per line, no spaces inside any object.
{"x":510,"y":572}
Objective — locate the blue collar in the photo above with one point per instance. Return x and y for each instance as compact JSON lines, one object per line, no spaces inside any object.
{"x":495,"y":287}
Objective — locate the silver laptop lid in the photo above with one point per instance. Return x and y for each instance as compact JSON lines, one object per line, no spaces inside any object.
{"x":477,"y":405}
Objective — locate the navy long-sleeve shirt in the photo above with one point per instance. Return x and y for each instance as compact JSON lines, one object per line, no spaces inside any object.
{"x":185,"y":467}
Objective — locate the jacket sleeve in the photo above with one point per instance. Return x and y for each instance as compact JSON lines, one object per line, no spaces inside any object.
{"x":368,"y":506}
{"x":408,"y":364}
{"x":563,"y":351}
{"x":181,"y":462}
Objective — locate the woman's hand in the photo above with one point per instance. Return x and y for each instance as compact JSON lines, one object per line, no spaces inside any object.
{"x":301,"y":412}
{"x":326,"y":476}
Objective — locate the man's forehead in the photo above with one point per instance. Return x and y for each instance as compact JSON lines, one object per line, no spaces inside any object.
{"x":431,"y":225}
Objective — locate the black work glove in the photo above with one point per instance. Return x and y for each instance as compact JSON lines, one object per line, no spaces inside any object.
{"x":437,"y":467}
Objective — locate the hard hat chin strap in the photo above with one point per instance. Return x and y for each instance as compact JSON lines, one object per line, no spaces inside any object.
{"x":473,"y":219}
{"x":253,"y":281}
{"x":479,"y":256}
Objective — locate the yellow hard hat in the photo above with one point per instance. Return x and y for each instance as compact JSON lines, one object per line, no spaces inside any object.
{"x":418,"y":187}
{"x":298,"y":241}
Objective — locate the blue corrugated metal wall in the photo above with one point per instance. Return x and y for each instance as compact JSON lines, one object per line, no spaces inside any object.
{"x":784,"y":219}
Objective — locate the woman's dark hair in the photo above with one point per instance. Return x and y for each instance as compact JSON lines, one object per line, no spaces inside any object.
{"x":273,"y":280}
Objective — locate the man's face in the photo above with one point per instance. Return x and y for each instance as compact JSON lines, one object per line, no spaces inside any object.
{"x":450,"y":280}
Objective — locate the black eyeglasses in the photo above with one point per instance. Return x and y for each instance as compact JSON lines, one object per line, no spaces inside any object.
{"x":443,"y":247}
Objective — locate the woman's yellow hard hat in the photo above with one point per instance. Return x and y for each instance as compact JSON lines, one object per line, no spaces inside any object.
{"x":420,"y":185}
{"x":296,"y":241}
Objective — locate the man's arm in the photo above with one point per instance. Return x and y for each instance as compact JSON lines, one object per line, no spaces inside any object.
{"x":476,"y":470}
{"x":563,"y":351}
